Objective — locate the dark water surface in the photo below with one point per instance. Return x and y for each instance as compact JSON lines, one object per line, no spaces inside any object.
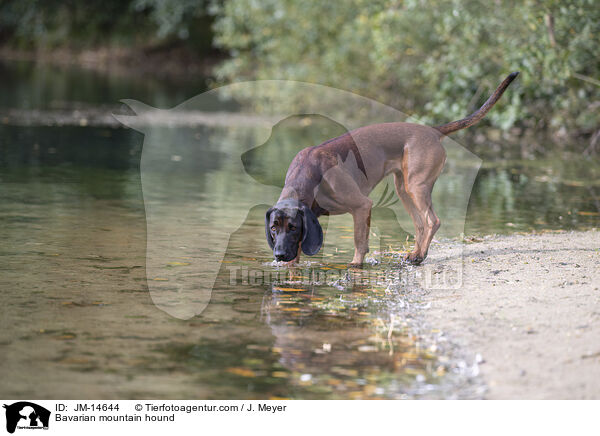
{"x":75,"y":303}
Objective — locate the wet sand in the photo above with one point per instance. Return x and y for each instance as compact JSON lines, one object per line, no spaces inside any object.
{"x":530,"y":306}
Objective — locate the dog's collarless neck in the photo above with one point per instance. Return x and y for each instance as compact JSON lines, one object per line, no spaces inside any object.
{"x":289,"y":203}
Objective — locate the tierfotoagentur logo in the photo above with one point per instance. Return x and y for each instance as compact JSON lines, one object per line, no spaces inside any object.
{"x":25,"y":415}
{"x":192,"y":211}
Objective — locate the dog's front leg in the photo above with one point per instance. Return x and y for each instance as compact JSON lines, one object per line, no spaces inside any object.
{"x":362,"y":224}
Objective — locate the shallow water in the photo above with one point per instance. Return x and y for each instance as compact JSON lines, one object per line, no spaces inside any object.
{"x":73,"y":274}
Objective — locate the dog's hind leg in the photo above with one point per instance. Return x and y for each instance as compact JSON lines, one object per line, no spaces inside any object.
{"x":418,"y":185}
{"x":421,"y":197}
{"x":410,"y":208}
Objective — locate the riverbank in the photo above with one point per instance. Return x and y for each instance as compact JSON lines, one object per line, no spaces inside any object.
{"x":530,"y":306}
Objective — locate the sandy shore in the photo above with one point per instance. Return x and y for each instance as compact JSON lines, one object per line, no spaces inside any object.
{"x":530,"y":306}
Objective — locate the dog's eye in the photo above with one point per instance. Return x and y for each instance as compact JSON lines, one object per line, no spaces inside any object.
{"x":273,"y":228}
{"x":292,"y":228}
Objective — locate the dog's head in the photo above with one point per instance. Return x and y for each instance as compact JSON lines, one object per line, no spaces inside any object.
{"x":290,"y":226}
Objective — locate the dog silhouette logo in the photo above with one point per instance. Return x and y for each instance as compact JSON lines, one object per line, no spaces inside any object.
{"x":26,"y":415}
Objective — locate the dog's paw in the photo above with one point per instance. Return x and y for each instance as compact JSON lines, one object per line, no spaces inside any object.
{"x":414,"y":258}
{"x":355,"y":265}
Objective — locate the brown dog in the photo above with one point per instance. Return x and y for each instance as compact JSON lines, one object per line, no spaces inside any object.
{"x":337,"y":176}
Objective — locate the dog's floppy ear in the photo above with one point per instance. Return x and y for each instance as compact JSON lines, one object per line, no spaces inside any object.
{"x":268,"y":229}
{"x":312,"y":234}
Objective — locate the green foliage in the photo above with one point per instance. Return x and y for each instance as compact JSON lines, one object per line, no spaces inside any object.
{"x":53,"y":23}
{"x":76,"y":24}
{"x":437,"y":59}
{"x":186,"y":20}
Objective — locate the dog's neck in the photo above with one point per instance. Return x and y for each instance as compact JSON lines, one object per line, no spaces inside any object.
{"x":290,"y":203}
{"x":290,"y":193}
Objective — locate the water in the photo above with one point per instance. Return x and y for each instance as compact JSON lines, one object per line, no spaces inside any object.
{"x":78,"y":320}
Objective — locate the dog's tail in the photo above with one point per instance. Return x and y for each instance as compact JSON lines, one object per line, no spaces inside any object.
{"x":476,"y":116}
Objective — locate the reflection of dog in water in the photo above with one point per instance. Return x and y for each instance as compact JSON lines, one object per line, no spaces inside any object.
{"x":25,"y":414}
{"x":323,"y":339}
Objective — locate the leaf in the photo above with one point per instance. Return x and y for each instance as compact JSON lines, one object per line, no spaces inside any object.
{"x":288,"y":289}
{"x":243,"y":372}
